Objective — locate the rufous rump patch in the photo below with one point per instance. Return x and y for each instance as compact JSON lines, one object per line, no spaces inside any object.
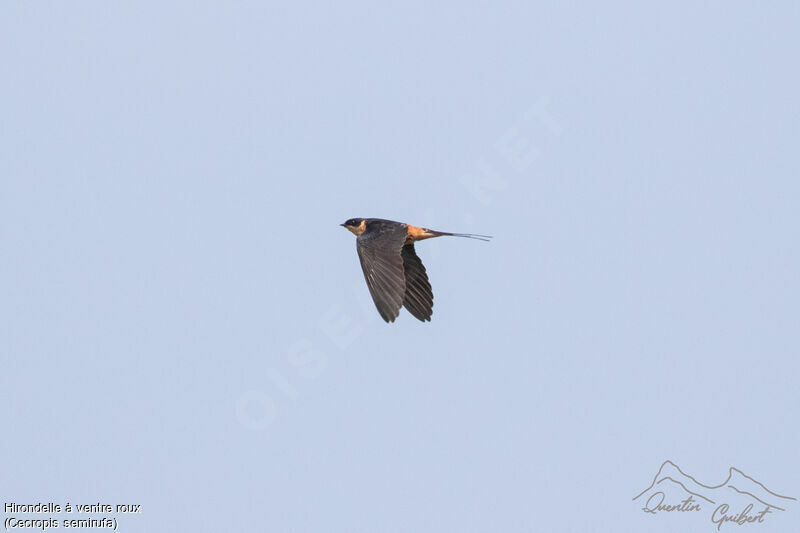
{"x":417,"y":234}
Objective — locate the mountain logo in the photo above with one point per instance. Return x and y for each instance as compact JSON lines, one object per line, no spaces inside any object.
{"x":739,"y":500}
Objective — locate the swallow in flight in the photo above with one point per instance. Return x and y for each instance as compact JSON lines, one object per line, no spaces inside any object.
{"x":395,"y":275}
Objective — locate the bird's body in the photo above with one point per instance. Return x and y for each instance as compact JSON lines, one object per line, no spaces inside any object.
{"x":395,"y":274}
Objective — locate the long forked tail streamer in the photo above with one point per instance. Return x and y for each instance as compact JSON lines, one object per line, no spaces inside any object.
{"x":469,"y":236}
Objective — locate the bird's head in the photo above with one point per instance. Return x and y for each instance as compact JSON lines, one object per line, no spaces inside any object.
{"x":355,"y":225}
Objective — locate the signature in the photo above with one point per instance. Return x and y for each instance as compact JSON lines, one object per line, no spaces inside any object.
{"x":738,"y":500}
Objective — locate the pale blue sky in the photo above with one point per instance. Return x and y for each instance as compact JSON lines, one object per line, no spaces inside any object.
{"x":185,"y":326}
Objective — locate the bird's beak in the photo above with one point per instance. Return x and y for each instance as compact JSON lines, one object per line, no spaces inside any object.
{"x":342,"y":225}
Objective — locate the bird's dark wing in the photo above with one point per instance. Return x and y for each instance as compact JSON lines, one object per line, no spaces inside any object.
{"x":379,"y":251}
{"x":418,"y":298}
